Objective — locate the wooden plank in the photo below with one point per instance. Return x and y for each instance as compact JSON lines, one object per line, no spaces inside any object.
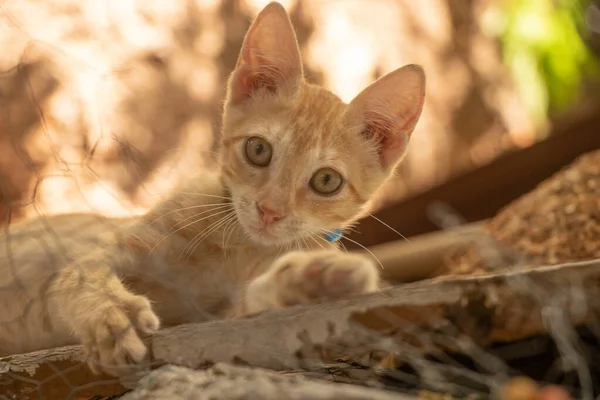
{"x":488,"y":309}
{"x":481,"y":193}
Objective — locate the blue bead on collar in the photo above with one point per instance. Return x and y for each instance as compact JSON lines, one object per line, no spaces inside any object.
{"x":334,"y":236}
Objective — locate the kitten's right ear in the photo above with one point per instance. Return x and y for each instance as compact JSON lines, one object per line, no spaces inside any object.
{"x":269,"y":60}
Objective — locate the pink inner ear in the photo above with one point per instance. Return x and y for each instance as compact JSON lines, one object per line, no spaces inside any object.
{"x":246,"y":83}
{"x":390,"y":139}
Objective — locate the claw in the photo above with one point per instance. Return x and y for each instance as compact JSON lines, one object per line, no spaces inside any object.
{"x":112,"y":343}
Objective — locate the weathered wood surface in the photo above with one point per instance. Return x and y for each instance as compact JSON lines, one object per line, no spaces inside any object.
{"x":487,"y":309}
{"x":227,"y":382}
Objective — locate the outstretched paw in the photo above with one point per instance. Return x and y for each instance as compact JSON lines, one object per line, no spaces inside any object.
{"x":110,"y":338}
{"x":301,"y":277}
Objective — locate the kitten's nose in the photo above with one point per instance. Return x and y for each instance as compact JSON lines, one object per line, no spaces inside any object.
{"x":268,"y":214}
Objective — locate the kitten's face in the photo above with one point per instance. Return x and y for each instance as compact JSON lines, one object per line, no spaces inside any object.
{"x":295,"y":168}
{"x":298,"y":161}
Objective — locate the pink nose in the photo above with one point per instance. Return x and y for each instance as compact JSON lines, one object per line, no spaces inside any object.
{"x":268,"y":214}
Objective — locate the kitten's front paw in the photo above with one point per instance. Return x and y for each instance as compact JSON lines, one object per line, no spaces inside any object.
{"x":110,"y":335}
{"x":300,"y":277}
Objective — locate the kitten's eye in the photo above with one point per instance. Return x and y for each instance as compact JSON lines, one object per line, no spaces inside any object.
{"x":326,"y":181}
{"x":258,"y":151}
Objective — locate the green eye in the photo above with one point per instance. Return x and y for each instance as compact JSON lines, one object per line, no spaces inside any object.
{"x":326,"y":181}
{"x":258,"y":151}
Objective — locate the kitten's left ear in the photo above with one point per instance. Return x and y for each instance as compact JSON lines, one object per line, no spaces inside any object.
{"x":269,"y":59}
{"x":388,"y":110}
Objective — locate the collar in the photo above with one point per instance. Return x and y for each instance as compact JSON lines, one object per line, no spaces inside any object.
{"x":334,"y":236}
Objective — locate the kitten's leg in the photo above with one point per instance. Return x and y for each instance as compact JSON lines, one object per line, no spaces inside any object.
{"x":300,"y":277}
{"x":106,"y":317}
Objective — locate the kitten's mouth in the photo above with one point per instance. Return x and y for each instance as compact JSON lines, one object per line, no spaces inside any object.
{"x":264,"y":234}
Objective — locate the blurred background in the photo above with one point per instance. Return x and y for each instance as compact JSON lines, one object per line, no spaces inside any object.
{"x":106,"y":103}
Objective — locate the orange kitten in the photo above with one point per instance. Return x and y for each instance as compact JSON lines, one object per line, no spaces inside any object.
{"x":297,"y":165}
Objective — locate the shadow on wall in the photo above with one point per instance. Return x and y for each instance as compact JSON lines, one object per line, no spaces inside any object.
{"x":116,"y":104}
{"x":155,"y":103}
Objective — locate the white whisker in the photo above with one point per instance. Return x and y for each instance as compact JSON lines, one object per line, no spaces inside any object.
{"x":305,"y":243}
{"x":185,"y":226}
{"x":190,"y":208}
{"x":389,"y":227}
{"x":228,"y":229}
{"x":358,"y":244}
{"x":199,"y":238}
{"x":316,"y":241}
{"x":195,"y":194}
{"x":367,"y":250}
{"x":205,"y":233}
{"x":343,"y":246}
{"x":216,"y":208}
{"x":236,"y":225}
